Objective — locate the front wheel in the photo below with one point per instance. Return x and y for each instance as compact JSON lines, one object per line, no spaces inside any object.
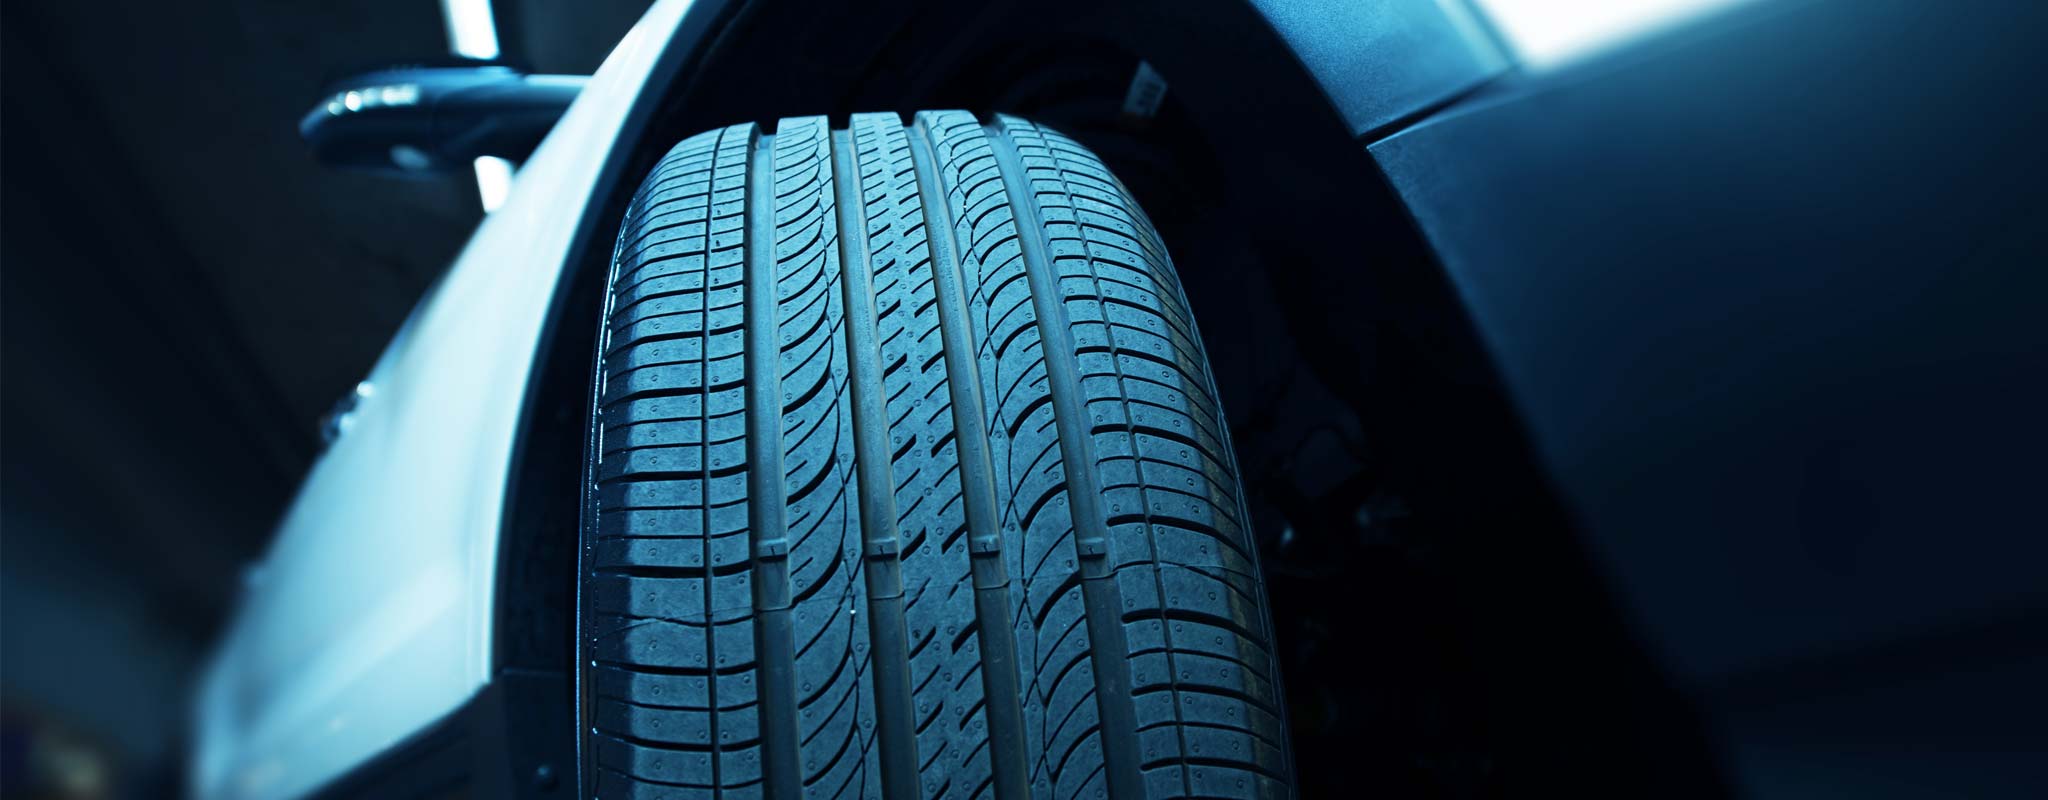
{"x":909,"y":481}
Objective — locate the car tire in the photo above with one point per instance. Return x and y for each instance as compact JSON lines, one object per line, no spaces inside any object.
{"x":878,"y":513}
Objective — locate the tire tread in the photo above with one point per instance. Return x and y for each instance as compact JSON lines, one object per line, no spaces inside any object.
{"x":910,"y":481}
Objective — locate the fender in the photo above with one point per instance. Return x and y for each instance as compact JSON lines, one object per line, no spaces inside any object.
{"x":372,"y":616}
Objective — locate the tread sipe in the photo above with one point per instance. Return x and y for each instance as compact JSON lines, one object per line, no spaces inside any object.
{"x":910,"y":481}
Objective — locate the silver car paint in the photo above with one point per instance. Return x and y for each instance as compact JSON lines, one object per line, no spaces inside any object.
{"x":370,"y":617}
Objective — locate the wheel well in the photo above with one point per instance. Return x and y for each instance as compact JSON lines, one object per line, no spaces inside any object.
{"x":1371,"y":429}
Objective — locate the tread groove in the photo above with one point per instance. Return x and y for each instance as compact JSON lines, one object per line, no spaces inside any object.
{"x":767,"y":526}
{"x":1000,"y":677}
{"x":887,"y":632}
{"x":1100,"y":596}
{"x":1138,"y":467}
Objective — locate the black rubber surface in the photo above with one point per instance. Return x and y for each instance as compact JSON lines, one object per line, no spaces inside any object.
{"x":940,"y":507}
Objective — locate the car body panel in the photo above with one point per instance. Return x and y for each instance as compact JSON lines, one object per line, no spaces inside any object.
{"x":371,"y":616}
{"x":1760,"y":291}
{"x":1766,"y":356}
{"x":1380,"y":63}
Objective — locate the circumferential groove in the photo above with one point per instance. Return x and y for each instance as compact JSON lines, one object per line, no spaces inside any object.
{"x":1100,"y":597}
{"x":768,"y":530}
{"x":896,"y":737}
{"x":1000,"y":673}
{"x":1137,"y":467}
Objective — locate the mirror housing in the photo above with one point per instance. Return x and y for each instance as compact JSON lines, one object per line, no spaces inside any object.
{"x":435,"y":119}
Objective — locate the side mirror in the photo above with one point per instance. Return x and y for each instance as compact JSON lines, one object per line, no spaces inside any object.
{"x":436,"y":118}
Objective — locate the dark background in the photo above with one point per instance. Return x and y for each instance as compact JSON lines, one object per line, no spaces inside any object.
{"x":186,"y":294}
